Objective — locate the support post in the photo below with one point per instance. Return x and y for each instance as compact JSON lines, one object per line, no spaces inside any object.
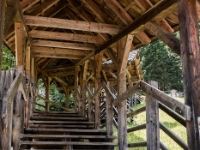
{"x":152,"y":120}
{"x":98,"y":65}
{"x":190,"y":55}
{"x":17,"y":107}
{"x":123,"y":49}
{"x":109,"y":115}
{"x":76,"y":100}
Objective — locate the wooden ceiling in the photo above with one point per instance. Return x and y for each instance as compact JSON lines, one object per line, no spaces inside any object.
{"x":68,"y":32}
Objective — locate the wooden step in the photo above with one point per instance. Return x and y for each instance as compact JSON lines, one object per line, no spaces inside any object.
{"x":58,"y":118}
{"x":61,"y":122}
{"x":55,"y":112}
{"x":61,"y":126}
{"x":53,"y":136}
{"x":57,"y":143}
{"x":59,"y":115}
{"x":66,"y":130}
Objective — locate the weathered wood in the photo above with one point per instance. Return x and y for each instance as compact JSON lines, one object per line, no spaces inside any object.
{"x":189,"y":39}
{"x":71,"y":24}
{"x":47,"y":88}
{"x":162,"y":146}
{"x":136,"y":128}
{"x":7,"y":113}
{"x":152,"y":120}
{"x":58,"y":51}
{"x":109,"y":115}
{"x":174,"y":115}
{"x":126,"y":18}
{"x":65,"y":36}
{"x":170,"y":102}
{"x":48,"y":43}
{"x":28,"y":62}
{"x":127,"y":94}
{"x":98,"y":65}
{"x":141,"y":144}
{"x":179,"y":141}
{"x":135,"y":112}
{"x":168,"y":38}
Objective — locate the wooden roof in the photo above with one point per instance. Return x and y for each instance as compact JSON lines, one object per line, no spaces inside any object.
{"x":65,"y":33}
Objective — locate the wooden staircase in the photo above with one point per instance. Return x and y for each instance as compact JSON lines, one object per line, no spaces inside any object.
{"x":59,"y":131}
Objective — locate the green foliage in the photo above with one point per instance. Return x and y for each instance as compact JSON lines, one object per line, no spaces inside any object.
{"x":159,"y":63}
{"x":8,"y":60}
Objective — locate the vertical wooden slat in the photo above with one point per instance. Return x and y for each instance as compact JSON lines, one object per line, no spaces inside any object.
{"x":152,"y":121}
{"x":83,"y":91}
{"x":190,"y":54}
{"x":98,"y":65}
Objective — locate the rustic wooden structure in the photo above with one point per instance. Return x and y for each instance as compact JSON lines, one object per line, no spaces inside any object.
{"x":69,"y":43}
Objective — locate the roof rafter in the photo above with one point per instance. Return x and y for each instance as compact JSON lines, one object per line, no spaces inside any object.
{"x":65,"y":36}
{"x":71,"y":24}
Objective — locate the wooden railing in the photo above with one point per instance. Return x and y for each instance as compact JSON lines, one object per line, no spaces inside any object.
{"x":174,"y":108}
{"x":18,"y":85}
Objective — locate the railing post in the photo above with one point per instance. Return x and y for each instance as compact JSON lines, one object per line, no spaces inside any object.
{"x":109,"y":115}
{"x":152,"y":121}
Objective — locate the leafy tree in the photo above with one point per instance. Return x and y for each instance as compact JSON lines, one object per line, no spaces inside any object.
{"x":8,"y":60}
{"x":159,"y":63}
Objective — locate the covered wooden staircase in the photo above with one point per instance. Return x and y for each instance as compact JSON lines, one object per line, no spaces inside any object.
{"x":64,"y":131}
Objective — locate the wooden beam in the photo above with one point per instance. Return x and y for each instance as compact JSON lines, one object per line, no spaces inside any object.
{"x":58,"y":51}
{"x":64,"y":73}
{"x":43,"y":7}
{"x":126,"y":18}
{"x":47,"y":43}
{"x":98,"y":66}
{"x":71,"y":24}
{"x":28,"y":62}
{"x":168,"y":38}
{"x":189,"y":39}
{"x":157,"y":10}
{"x":26,"y":4}
{"x":19,"y":44}
{"x":56,"y":56}
{"x":65,"y":36}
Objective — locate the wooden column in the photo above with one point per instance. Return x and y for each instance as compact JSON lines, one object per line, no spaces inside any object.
{"x":17,"y":107}
{"x":33,"y":81}
{"x":47,"y":93}
{"x":67,"y":94}
{"x":83,"y":91}
{"x":75,"y":86}
{"x":190,"y":54}
{"x":97,"y":82}
{"x":123,"y":49}
{"x":152,"y":120}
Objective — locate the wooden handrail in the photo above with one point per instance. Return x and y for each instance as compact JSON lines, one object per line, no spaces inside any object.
{"x":173,"y":136}
{"x":170,"y":102}
{"x":7,"y":111}
{"x":135,"y":112}
{"x":66,"y":109}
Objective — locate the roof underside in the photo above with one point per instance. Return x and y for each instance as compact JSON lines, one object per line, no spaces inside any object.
{"x":63,"y":32}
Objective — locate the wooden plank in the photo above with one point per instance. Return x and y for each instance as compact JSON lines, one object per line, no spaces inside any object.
{"x":172,"y":103}
{"x":71,"y":24}
{"x":48,"y":43}
{"x":58,"y":51}
{"x":189,"y":39}
{"x":166,"y":37}
{"x":65,"y":36}
{"x":43,"y":143}
{"x":152,"y":120}
{"x":26,"y":4}
{"x":56,"y":56}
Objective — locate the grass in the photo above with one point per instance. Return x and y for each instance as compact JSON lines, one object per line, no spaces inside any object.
{"x":173,"y":125}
